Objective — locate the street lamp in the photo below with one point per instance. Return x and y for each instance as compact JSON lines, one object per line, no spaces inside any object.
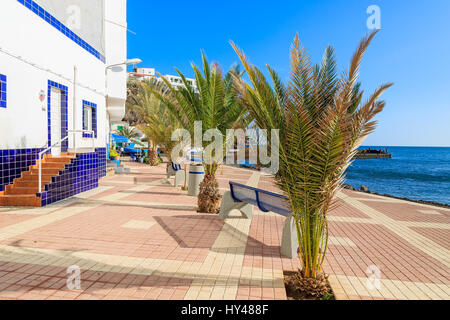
{"x":126,"y":62}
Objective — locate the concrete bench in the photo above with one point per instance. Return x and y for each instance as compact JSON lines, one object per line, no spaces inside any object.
{"x":176,"y":170}
{"x":243,"y":197}
{"x":172,"y":169}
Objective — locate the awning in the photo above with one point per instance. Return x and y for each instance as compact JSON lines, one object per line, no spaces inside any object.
{"x":117,"y":138}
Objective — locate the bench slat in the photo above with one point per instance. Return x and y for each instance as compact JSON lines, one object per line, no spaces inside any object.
{"x":176,"y":166}
{"x":265,"y":200}
{"x":240,"y":193}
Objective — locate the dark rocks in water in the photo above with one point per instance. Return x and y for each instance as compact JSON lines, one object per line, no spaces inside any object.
{"x":347,"y":186}
{"x":432,"y":203}
{"x":372,"y":154}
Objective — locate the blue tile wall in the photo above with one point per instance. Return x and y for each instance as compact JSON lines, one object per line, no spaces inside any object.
{"x":94,"y":118}
{"x":2,"y":91}
{"x":39,"y":11}
{"x":82,"y":174}
{"x":15,"y":161}
{"x":64,"y":114}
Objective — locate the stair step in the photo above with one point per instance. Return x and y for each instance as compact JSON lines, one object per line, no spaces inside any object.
{"x":28,"y":174}
{"x":28,"y":184}
{"x":35,"y":177}
{"x":20,"y":201}
{"x":22,"y":191}
{"x":47,"y":171}
{"x":50,"y":165}
{"x":65,"y":160}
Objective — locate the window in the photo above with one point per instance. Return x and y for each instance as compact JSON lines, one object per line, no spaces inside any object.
{"x":87,"y":121}
{"x":89,"y":118}
{"x":2,"y":91}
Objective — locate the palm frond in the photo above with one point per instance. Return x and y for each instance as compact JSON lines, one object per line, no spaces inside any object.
{"x":321,"y":123}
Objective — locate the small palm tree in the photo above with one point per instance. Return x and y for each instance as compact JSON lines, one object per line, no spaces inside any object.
{"x":143,"y":105}
{"x":160,"y":126}
{"x":215,"y":106}
{"x":321,"y":123}
{"x":126,"y":131}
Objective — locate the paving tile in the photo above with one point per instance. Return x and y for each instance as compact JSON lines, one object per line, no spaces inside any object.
{"x":136,"y":237}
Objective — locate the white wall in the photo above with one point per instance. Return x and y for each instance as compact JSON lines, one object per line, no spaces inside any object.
{"x":84,"y":17}
{"x":116,"y":52}
{"x":23,"y":124}
{"x":146,"y":71}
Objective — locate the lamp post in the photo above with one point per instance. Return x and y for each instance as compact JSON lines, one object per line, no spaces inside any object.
{"x":127,"y":62}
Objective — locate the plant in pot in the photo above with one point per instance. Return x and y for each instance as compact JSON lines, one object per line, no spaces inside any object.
{"x":322,"y":120}
{"x":113,"y":154}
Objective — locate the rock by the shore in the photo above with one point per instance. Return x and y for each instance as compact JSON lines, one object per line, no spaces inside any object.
{"x":346,"y":186}
{"x":366,"y":190}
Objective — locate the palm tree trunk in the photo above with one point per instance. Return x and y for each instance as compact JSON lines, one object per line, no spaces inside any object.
{"x":312,"y":233}
{"x":153,"y":157}
{"x":209,"y":197}
{"x":152,"y":153}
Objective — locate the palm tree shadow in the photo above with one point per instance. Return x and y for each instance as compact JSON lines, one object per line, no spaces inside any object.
{"x":186,"y":238}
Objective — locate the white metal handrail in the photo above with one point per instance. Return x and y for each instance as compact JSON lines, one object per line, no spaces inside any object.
{"x":60,"y":142}
{"x":82,"y":131}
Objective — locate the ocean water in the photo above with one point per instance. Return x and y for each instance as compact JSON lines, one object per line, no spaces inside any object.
{"x":419,"y":173}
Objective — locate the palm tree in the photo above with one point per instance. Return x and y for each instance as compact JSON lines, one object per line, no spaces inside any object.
{"x":126,"y":131}
{"x":321,"y":123}
{"x":215,"y":106}
{"x":160,"y":126}
{"x":143,"y":105}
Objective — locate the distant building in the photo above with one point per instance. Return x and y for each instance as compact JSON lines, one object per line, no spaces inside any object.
{"x":177,"y":82}
{"x":150,"y":73}
{"x":143,"y":74}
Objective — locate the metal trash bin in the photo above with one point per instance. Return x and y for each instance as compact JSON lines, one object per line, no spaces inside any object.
{"x":196,"y":175}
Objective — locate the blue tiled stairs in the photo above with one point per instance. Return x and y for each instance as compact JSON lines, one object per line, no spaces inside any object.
{"x":24,"y":190}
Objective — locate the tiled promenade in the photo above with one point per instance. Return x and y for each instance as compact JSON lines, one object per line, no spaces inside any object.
{"x":136,"y":237}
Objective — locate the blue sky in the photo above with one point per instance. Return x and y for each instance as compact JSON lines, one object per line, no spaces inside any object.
{"x":411,"y":50}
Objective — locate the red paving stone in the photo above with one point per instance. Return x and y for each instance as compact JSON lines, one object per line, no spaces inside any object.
{"x":110,"y":191}
{"x":163,"y":195}
{"x":405,"y":211}
{"x":51,"y":283}
{"x":187,"y":236}
{"x":342,"y":209}
{"x":11,"y":219}
{"x":376,"y":245}
{"x":357,"y":194}
{"x":440,"y":236}
{"x":100,"y":230}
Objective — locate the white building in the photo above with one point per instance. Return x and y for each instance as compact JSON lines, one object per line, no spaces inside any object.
{"x":150,"y":73}
{"x":55,"y":82}
{"x":176,"y":81}
{"x":143,"y":74}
